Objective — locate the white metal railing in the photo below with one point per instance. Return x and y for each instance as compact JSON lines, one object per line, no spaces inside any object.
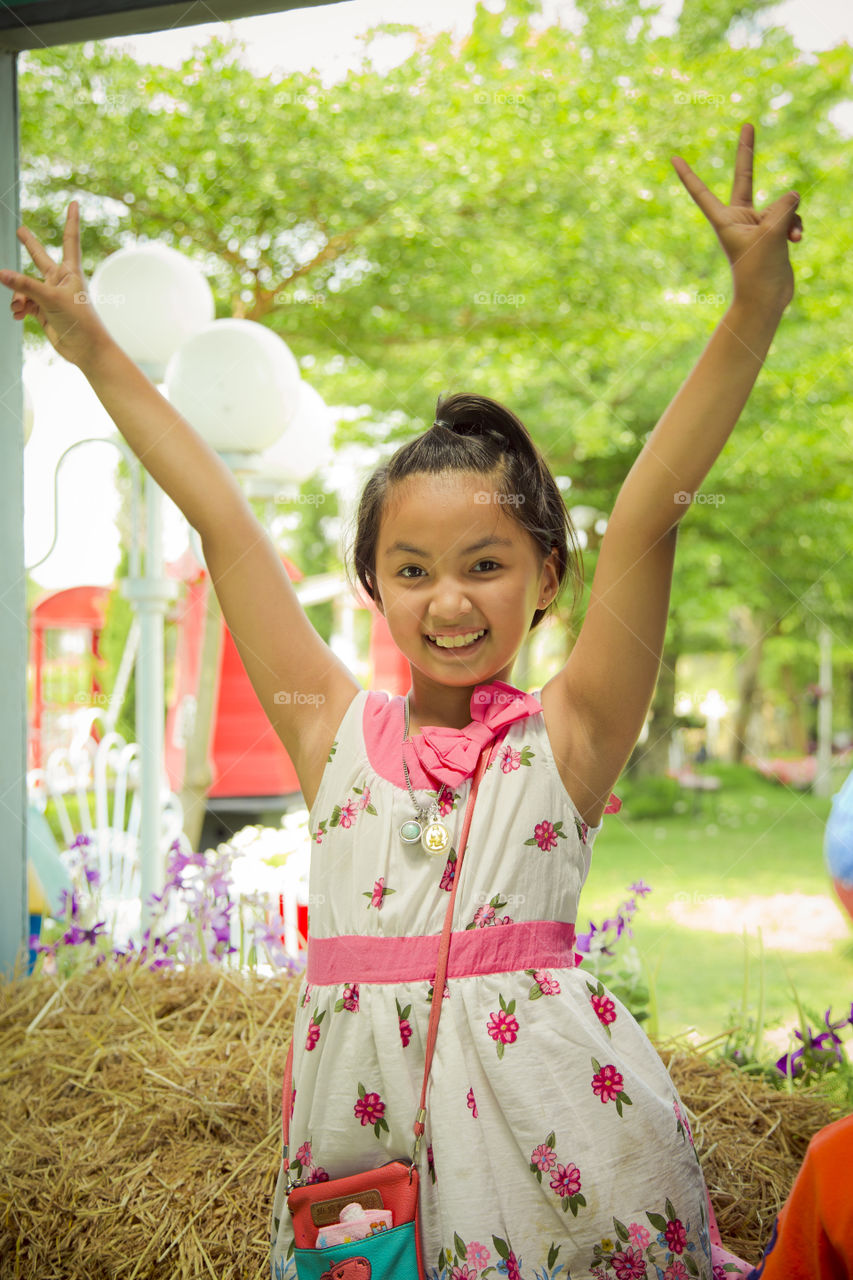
{"x":85,"y":769}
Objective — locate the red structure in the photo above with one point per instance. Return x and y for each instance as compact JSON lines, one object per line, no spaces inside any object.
{"x":74,"y":609}
{"x":246,"y":757}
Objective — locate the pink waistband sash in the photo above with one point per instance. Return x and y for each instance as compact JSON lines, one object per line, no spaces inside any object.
{"x":534,"y":944}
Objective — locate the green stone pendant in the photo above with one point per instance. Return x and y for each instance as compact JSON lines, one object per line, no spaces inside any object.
{"x":411,"y":831}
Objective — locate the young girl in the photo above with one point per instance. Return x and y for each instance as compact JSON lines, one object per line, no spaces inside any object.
{"x":555,"y":1142}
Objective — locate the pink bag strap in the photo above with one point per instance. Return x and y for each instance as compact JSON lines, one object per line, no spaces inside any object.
{"x":437,"y":992}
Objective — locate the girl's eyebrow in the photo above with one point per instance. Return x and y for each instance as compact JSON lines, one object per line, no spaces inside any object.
{"x":476,"y":546}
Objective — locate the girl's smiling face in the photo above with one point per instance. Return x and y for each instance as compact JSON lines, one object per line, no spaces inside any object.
{"x":452,"y":560}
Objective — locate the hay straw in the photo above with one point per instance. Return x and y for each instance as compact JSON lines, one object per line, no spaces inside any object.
{"x":140,"y":1122}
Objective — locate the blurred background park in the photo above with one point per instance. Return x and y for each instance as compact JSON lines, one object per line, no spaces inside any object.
{"x":483,"y":200}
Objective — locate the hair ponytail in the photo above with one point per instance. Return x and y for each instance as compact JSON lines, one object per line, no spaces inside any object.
{"x":475,"y":434}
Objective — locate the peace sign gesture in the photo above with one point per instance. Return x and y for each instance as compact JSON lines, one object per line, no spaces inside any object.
{"x":59,"y":300}
{"x":756,"y":244}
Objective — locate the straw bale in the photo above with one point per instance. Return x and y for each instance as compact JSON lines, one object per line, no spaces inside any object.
{"x":140,"y":1122}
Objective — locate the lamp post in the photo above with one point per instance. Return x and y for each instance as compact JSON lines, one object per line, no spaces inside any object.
{"x":238,"y":384}
{"x":151,"y":299}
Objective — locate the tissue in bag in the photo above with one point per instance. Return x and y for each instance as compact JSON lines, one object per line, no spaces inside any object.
{"x":356,"y":1223}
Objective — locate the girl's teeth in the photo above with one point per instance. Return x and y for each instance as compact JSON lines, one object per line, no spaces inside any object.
{"x":456,"y":642}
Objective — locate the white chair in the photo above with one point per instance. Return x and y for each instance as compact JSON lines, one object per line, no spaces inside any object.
{"x":86,"y":768}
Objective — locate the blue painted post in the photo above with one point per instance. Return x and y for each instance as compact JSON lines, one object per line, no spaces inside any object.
{"x":13,"y":613}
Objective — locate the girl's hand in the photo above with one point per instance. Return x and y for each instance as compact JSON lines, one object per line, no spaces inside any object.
{"x":59,"y":301}
{"x":756,"y":244}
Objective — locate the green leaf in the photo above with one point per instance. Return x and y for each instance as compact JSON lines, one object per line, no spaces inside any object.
{"x":670,"y":1211}
{"x":551,"y":1140}
{"x":552,"y":1255}
{"x":621,"y":1230}
{"x":501,"y":1247}
{"x":657,"y":1221}
{"x":361,"y":1090}
{"x":459,"y":1245}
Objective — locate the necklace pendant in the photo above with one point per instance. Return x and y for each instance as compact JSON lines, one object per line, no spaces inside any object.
{"x":435,"y":838}
{"x":411,"y":831}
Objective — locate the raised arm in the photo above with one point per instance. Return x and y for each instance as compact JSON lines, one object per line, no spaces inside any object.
{"x":303,"y":687}
{"x":606,"y":686}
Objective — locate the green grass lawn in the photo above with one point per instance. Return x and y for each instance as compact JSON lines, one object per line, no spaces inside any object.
{"x":763,"y":839}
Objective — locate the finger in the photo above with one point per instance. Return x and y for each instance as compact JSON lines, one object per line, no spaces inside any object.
{"x":36,"y":250}
{"x":71,"y":238}
{"x":25,"y":286}
{"x":706,"y":200}
{"x":782,"y":212}
{"x":742,"y":183}
{"x":795,"y":232}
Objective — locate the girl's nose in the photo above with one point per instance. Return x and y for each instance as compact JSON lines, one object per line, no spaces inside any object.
{"x":449,"y":607}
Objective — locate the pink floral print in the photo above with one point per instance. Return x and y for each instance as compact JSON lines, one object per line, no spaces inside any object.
{"x":676,"y":1236}
{"x":478,"y":1255}
{"x":603,"y":1006}
{"x":511,"y":759}
{"x":503,"y":1027}
{"x":370,"y":1109}
{"x":364,"y":802}
{"x":349,"y":1000}
{"x":403,"y":1020}
{"x":378,"y":894}
{"x":564,"y":1180}
{"x":303,"y":1165}
{"x":446,"y":802}
{"x":682,"y":1124}
{"x":637,"y":1253}
{"x":543,"y":1157}
{"x":314,"y":1029}
{"x":544,"y":984}
{"x":605,"y":1009}
{"x":449,"y":872}
{"x":607,"y":1085}
{"x":639,"y":1235}
{"x":346,"y":814}
{"x":486,"y":916}
{"x":472,"y":1103}
{"x":546,"y":834}
{"x":628,"y":1264}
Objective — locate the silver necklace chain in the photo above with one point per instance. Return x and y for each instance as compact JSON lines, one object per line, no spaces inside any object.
{"x":422,"y":811}
{"x":426,"y":828}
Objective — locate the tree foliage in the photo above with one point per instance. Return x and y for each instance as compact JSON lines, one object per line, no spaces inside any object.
{"x":499,"y":214}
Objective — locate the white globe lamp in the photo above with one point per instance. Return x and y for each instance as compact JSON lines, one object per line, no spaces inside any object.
{"x":151,"y":299}
{"x":238,"y":383}
{"x":307,"y":442}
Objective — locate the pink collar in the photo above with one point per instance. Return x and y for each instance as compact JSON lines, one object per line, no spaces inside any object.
{"x":450,"y":755}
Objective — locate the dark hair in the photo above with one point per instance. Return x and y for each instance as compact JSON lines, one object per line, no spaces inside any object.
{"x":473,"y":433}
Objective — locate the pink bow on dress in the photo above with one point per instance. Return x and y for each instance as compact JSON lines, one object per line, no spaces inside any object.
{"x":450,"y":755}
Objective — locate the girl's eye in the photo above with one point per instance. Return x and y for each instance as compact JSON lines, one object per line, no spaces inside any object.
{"x":403,"y":574}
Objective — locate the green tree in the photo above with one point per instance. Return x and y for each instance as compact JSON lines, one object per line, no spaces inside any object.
{"x":500,"y":214}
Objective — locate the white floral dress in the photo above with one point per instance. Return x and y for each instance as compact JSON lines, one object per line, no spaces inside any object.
{"x":555,"y":1142}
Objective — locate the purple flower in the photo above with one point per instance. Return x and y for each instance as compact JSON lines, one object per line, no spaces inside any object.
{"x":815,"y":1049}
{"x":640,"y":887}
